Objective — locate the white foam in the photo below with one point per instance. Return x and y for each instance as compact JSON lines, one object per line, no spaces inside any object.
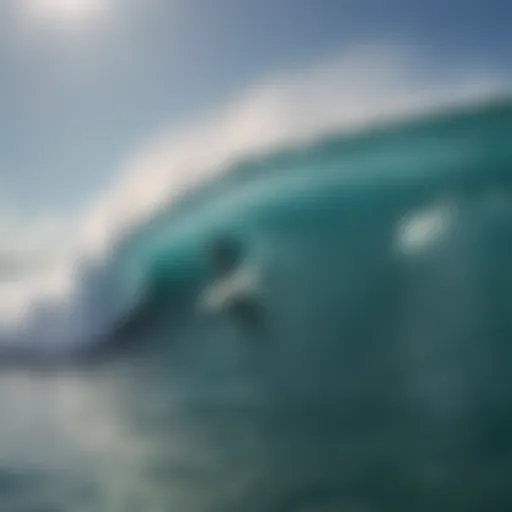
{"x":426,"y":227}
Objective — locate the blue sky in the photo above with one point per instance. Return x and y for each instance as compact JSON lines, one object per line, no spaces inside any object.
{"x":78,"y":96}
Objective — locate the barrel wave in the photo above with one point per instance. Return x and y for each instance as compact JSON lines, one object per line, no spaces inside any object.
{"x":380,"y":201}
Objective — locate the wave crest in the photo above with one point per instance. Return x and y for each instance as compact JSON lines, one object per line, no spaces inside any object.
{"x":82,"y":297}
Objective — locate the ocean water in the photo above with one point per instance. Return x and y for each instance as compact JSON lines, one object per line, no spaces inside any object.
{"x":378,"y":381}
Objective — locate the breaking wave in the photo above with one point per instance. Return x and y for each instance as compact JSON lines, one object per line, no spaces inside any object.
{"x":366,"y":145}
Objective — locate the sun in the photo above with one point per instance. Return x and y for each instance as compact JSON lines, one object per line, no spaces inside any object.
{"x":66,"y":10}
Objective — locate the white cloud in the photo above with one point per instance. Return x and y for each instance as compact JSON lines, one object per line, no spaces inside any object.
{"x":33,"y":256}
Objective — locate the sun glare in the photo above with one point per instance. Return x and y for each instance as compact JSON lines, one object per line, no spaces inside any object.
{"x":66,"y":10}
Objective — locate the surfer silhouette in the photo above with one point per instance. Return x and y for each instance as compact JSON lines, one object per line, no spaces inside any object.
{"x":235,"y":288}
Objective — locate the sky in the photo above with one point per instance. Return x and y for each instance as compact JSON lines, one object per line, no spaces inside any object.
{"x":81,"y":88}
{"x":107,"y":104}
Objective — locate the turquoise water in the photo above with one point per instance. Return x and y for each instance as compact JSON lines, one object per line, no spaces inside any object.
{"x":380,"y":381}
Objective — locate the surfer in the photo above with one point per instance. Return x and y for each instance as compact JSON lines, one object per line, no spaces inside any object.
{"x":235,"y":291}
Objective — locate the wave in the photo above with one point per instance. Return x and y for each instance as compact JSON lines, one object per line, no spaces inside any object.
{"x":293,"y":149}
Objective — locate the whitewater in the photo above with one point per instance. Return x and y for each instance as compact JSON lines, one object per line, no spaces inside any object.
{"x":372,"y":205}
